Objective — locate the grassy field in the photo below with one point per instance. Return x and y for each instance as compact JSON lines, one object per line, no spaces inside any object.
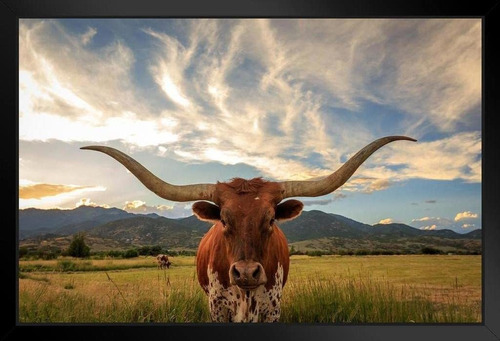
{"x":338,"y":289}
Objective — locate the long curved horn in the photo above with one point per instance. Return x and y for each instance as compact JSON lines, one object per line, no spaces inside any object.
{"x":155,"y":184}
{"x":339,"y":177}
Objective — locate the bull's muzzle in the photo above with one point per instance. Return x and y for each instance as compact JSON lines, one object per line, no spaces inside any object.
{"x":247,"y":275}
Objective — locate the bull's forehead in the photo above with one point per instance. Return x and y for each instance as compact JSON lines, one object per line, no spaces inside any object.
{"x":248,"y":195}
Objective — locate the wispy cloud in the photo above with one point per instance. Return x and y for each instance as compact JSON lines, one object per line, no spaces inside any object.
{"x":265,"y":93}
{"x":82,"y":94}
{"x":322,"y":202}
{"x":87,"y":36}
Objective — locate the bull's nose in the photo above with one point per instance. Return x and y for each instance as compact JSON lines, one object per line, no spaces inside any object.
{"x":247,"y":274}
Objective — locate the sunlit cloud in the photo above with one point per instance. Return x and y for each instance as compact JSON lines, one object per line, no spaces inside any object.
{"x":422,"y":219}
{"x":457,"y":225}
{"x":365,"y":185}
{"x":88,"y":202}
{"x":465,"y":215}
{"x":428,"y":227}
{"x":128,"y":128}
{"x":172,"y":91}
{"x":455,"y":157}
{"x":176,"y":210}
{"x":432,"y":223}
{"x":386,"y":221}
{"x":50,"y":195}
{"x":38,"y":191}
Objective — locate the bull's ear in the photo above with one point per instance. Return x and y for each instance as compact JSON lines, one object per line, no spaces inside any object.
{"x":288,"y":210}
{"x":206,"y":211}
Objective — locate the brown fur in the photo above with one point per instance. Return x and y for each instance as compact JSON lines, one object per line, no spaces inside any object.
{"x":240,"y":185}
{"x":247,"y":218}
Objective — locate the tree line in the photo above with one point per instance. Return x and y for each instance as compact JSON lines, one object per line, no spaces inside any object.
{"x":78,"y":248}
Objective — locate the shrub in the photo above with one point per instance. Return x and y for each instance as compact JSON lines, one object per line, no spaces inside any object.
{"x":47,"y":254}
{"x":361,"y":252}
{"x":66,"y":265}
{"x":69,"y":286}
{"x":346,"y":252}
{"x":23,"y":251}
{"x":315,"y":253}
{"x":387,"y":252}
{"x":114,"y":254}
{"x":431,"y":251}
{"x":131,"y":253}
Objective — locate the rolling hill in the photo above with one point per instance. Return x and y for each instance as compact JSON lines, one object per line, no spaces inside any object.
{"x":313,"y":230}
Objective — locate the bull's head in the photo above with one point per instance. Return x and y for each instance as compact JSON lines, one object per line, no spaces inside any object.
{"x":245,"y":211}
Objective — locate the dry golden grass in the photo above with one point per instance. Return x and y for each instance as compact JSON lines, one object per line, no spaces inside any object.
{"x":319,"y":289}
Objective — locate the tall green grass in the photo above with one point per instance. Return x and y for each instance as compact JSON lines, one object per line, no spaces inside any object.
{"x":70,"y":265}
{"x":358,"y":300}
{"x":310,"y":301}
{"x":187,"y":304}
{"x":318,"y":290}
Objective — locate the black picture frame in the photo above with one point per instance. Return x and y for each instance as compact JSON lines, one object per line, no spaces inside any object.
{"x":489,"y":11}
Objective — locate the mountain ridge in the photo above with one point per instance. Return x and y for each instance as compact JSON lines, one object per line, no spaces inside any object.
{"x":312,"y":229}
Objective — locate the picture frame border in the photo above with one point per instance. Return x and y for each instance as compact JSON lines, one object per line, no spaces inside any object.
{"x":488,"y":11}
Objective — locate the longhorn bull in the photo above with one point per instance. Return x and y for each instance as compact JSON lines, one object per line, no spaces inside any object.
{"x":242,"y":262}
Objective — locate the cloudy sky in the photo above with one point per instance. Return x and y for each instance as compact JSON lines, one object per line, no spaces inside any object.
{"x":207,"y":100}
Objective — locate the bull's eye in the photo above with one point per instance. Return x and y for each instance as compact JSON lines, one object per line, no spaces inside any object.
{"x":224,"y":226}
{"x":271,"y":224}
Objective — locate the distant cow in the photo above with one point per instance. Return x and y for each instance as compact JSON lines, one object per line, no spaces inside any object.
{"x":242,"y":261}
{"x":163,"y":262}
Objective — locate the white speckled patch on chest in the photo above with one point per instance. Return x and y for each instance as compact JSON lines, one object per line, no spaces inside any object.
{"x":235,"y":305}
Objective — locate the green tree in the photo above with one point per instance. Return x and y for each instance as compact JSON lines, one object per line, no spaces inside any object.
{"x":144,"y":250}
{"x":155,"y":250}
{"x":78,"y":248}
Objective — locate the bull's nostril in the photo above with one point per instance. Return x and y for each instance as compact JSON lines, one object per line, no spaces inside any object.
{"x":236,"y":273}
{"x":256,"y":273}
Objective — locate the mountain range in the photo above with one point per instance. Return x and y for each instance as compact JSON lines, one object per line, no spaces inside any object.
{"x":113,"y":228}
